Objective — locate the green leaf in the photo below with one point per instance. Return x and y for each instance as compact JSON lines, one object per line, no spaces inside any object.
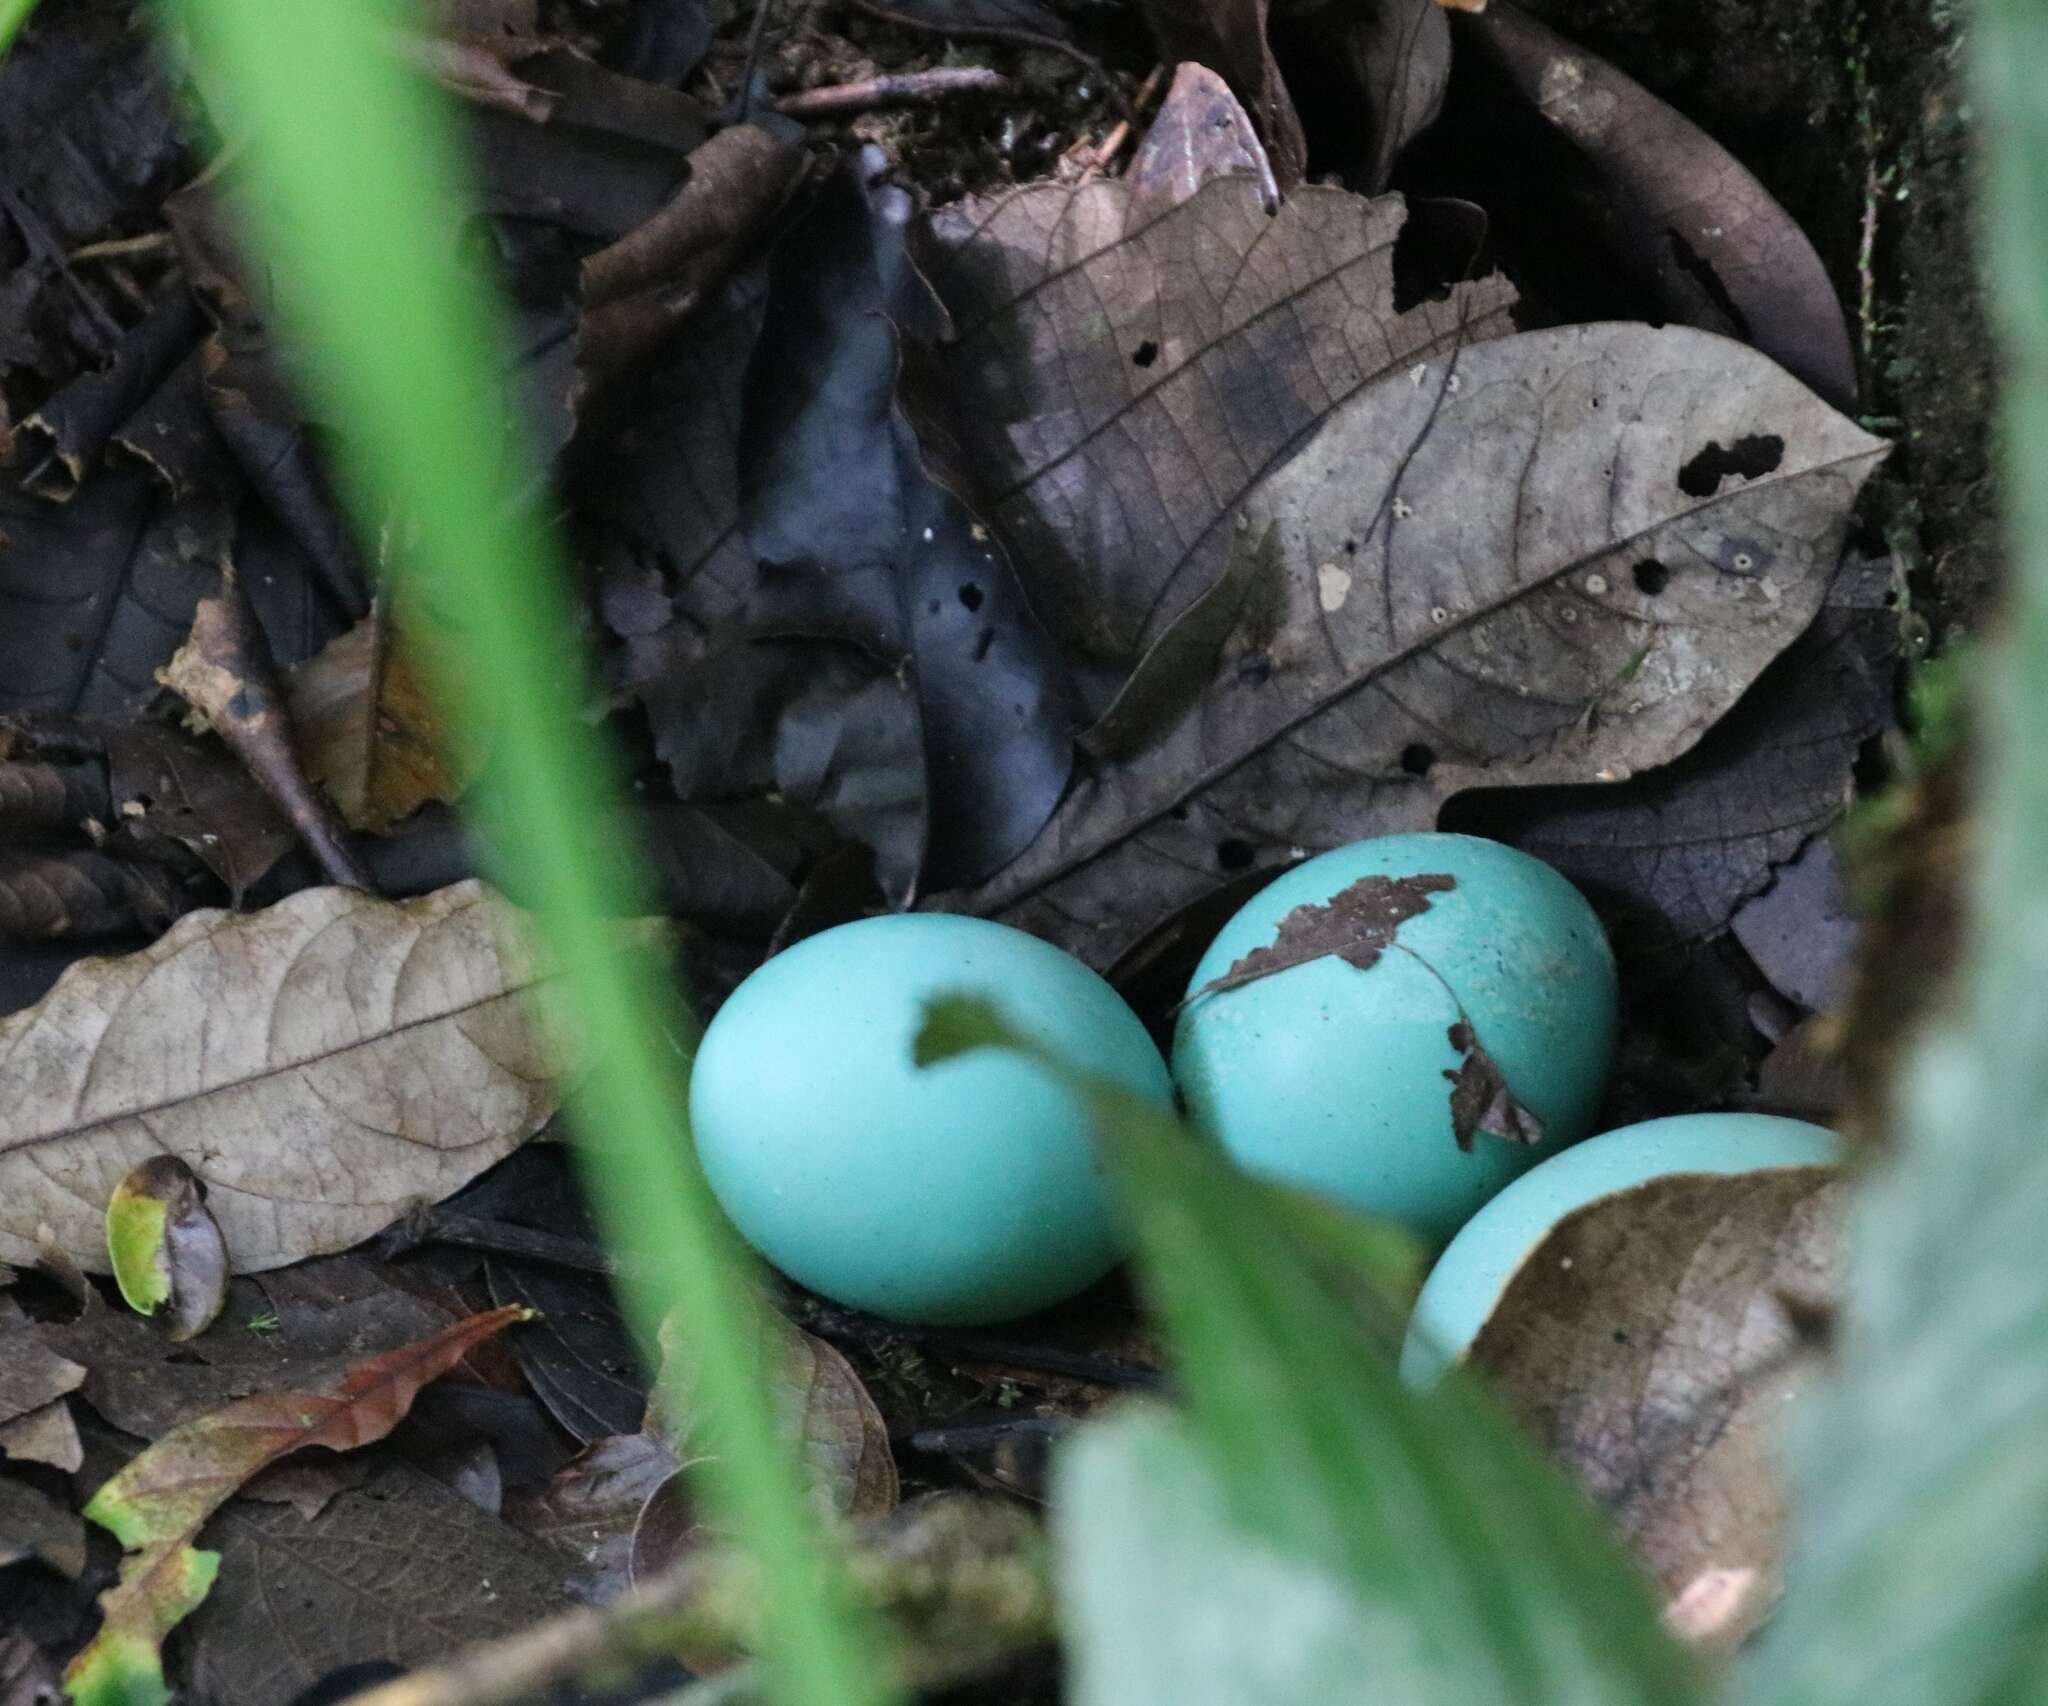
{"x":1148,"y":1561}
{"x":1482,"y":1575}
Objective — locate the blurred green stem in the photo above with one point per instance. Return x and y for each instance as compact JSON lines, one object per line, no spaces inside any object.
{"x":13,"y":14}
{"x":343,"y":174}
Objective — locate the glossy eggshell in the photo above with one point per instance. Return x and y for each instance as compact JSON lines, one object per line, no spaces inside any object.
{"x":1471,"y":1275}
{"x":1333,"y":1078}
{"x":968,"y":1191}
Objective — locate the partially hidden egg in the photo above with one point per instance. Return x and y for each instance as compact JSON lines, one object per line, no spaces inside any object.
{"x":1457,"y":1025}
{"x":964,"y":1192}
{"x":1473,"y":1273}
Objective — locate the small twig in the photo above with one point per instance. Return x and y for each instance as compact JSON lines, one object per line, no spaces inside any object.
{"x":892,"y":89}
{"x":495,"y":1238}
{"x":973,"y":1438}
{"x":123,"y":248}
{"x":1113,"y":143}
{"x":854,"y":1327}
{"x":954,"y":30}
{"x":964,"y":1584}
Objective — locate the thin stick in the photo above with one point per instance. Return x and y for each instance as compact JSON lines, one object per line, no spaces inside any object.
{"x":123,"y":248}
{"x":1113,"y":143}
{"x":968,"y":1583}
{"x":893,"y":89}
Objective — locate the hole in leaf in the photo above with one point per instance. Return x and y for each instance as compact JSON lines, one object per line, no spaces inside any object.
{"x":1417,"y":758}
{"x":1750,"y":457}
{"x":1651,"y":577}
{"x":971,"y":596}
{"x":1235,"y":855}
{"x":1145,"y":354}
{"x":1179,"y":813}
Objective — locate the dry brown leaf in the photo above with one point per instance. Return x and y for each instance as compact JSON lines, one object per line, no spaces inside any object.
{"x":461,"y":1576}
{"x":843,"y":1438}
{"x":34,"y":1525}
{"x":1720,"y":252}
{"x":31,"y":1374}
{"x":364,"y":730}
{"x":320,"y":1066}
{"x":1653,"y":1343}
{"x":1557,"y":557}
{"x":157,"y":1503}
{"x":225,"y":672}
{"x":47,"y":1435}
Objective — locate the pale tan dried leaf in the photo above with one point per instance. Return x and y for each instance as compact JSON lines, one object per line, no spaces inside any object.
{"x":1654,"y":1342}
{"x":320,"y":1065}
{"x":364,"y":730}
{"x":1550,"y":558}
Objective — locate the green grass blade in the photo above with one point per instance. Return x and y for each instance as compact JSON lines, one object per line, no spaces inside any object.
{"x":343,"y":164}
{"x":1921,"y":1571}
{"x":13,"y":14}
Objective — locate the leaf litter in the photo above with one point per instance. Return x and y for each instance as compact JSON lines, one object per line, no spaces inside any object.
{"x":1258,"y":522}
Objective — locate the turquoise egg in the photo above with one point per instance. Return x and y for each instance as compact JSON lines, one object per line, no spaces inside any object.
{"x":1338,"y":1079}
{"x":1470,"y":1276}
{"x":965,"y":1192}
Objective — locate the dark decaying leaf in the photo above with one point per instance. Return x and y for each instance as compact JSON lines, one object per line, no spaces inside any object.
{"x":96,"y":594}
{"x":1802,"y":930}
{"x":1356,"y":925}
{"x":1481,"y":1102}
{"x":32,"y":1373}
{"x":578,"y":1356}
{"x":46,"y":1435}
{"x":165,"y":784}
{"x":821,"y":725}
{"x":91,"y":140}
{"x":638,"y":290}
{"x":80,"y":421}
{"x":74,"y":892}
{"x":1720,"y":253}
{"x":857,"y":510}
{"x":1385,"y":63}
{"x":1669,"y":856}
{"x":1229,"y":36}
{"x":1653,"y":1342}
{"x":1199,"y":132}
{"x":1501,"y":566}
{"x":296,"y":1599}
{"x":35,"y":1526}
{"x":39,"y":797}
{"x":166,"y":1250}
{"x":662,"y":41}
{"x":1130,"y":368}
